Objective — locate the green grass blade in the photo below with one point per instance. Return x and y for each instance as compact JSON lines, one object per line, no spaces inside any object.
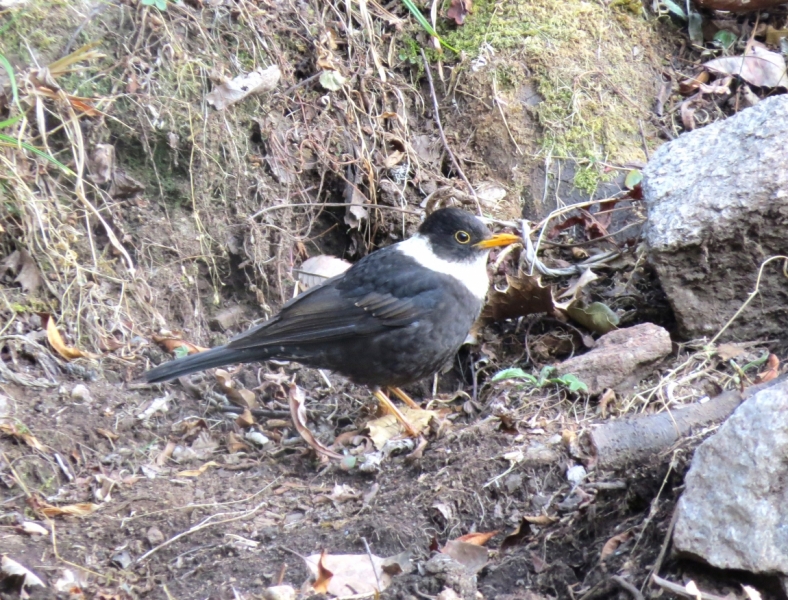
{"x":414,"y":10}
{"x":12,"y":78}
{"x":7,"y":140}
{"x":11,"y":121}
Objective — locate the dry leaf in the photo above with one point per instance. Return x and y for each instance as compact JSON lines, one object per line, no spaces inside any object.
{"x":165,"y":454}
{"x":10,"y":568}
{"x":258,"y":81}
{"x":458,"y":10}
{"x":759,"y":67}
{"x":540,"y":520}
{"x":382,"y":429}
{"x":393,"y":159}
{"x":347,"y":574}
{"x":235,"y":443}
{"x":612,"y":545}
{"x":523,"y":296}
{"x":171,"y":345}
{"x":490,"y":193}
{"x":729,"y":351}
{"x":56,"y":341}
{"x":479,"y":538}
{"x":21,"y":433}
{"x":31,"y":528}
{"x":771,"y":372}
{"x":471,"y":556}
{"x":298,"y":413}
{"x":156,"y":405}
{"x":102,"y":163}
{"x":197,"y":472}
{"x":245,"y":419}
{"x":518,"y":536}
{"x":243,"y":398}
{"x":317,"y":269}
{"x":21,"y":264}
{"x":107,"y":434}
{"x":72,"y":510}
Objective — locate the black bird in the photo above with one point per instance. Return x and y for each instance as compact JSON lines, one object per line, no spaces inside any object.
{"x":395,"y":317}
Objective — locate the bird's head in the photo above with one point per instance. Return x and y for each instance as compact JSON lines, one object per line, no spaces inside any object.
{"x":454,"y":234}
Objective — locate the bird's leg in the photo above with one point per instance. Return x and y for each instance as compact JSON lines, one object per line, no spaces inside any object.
{"x":404,"y":397}
{"x":383,"y":399}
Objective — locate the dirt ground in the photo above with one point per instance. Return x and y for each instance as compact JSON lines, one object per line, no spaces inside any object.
{"x":163,"y":218}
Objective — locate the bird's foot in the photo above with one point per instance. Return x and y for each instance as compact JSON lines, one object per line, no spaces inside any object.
{"x":384,"y":400}
{"x":404,"y":397}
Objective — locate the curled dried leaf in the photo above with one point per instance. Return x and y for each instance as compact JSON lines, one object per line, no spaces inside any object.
{"x":56,"y":341}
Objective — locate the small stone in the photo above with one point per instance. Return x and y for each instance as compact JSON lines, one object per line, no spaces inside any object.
{"x":576,"y":475}
{"x":513,"y":482}
{"x":155,"y":536}
{"x":257,"y":438}
{"x":122,"y":559}
{"x":227,"y":318}
{"x":279,"y":592}
{"x":81,"y":393}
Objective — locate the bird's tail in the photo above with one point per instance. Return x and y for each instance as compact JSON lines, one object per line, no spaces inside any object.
{"x":216,"y":357}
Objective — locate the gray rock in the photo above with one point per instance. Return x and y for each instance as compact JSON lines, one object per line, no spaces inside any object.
{"x":618,"y":357}
{"x":227,"y":318}
{"x":734,"y":511}
{"x":717,"y":204}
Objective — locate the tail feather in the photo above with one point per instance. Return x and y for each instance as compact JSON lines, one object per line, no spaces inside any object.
{"x":216,"y":357}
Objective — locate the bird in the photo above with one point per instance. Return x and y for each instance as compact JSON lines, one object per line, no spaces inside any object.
{"x":395,"y":317}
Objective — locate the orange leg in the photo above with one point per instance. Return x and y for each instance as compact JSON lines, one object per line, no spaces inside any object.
{"x":383,"y":399}
{"x":404,"y":397}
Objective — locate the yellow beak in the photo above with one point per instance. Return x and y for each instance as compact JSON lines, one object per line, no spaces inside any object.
{"x":499,"y":239}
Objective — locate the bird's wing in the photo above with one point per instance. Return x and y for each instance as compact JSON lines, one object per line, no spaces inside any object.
{"x":369,"y":298}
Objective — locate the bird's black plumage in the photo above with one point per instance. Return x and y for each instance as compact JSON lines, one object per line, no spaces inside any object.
{"x":387,"y":321}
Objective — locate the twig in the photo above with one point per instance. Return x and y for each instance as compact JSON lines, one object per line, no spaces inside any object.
{"x":679,"y":589}
{"x":205,"y":523}
{"x":443,"y":134}
{"x":625,"y":585}
{"x":752,"y":295}
{"x":372,"y":562}
{"x":664,"y":549}
{"x":333,"y":204}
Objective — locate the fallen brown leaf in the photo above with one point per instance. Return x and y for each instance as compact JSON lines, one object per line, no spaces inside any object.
{"x":518,"y":536}
{"x":759,"y":67}
{"x":56,"y":341}
{"x":199,"y":471}
{"x":479,"y":538}
{"x":21,"y":264}
{"x":323,"y":577}
{"x":458,"y":10}
{"x":347,"y":574}
{"x":240,"y":397}
{"x":107,"y":434}
{"x":771,"y":372}
{"x":258,"y":81}
{"x":298,"y":413}
{"x":245,"y":419}
{"x":472,"y":556}
{"x":387,"y":427}
{"x":171,"y":344}
{"x":21,"y":433}
{"x":523,"y":296}
{"x":612,"y":545}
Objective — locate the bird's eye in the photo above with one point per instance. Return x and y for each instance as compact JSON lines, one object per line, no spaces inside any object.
{"x":463,"y":237}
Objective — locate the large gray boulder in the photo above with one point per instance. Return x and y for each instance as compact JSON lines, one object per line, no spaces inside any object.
{"x":717,"y":203}
{"x":734,"y":510}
